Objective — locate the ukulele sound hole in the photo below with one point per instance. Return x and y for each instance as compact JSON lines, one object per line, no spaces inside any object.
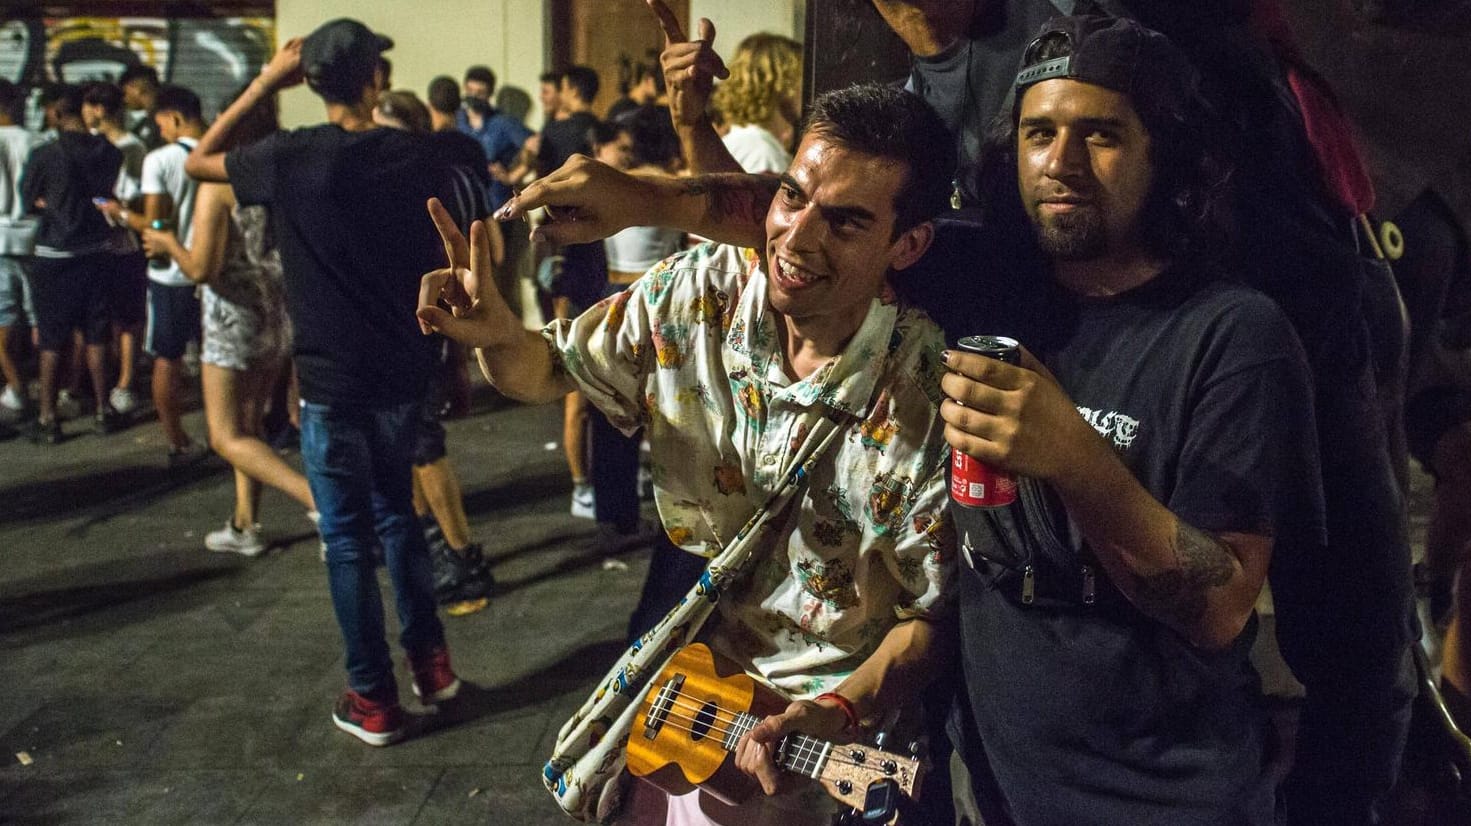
{"x":704,"y":721}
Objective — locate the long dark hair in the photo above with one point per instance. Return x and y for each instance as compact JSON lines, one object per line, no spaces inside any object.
{"x":1188,"y":214}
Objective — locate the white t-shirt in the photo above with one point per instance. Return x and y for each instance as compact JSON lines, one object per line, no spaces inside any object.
{"x":129,"y":187}
{"x":17,"y":229}
{"x":756,"y":149}
{"x":163,"y":174}
{"x":130,"y":174}
{"x":635,"y":249}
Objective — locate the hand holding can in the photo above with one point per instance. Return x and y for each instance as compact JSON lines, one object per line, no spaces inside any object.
{"x":161,"y":259}
{"x":972,"y":483}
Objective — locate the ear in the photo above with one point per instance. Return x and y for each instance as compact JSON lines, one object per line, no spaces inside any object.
{"x":911,"y":246}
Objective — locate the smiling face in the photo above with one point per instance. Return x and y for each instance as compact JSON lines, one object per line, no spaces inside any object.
{"x":830,"y":233}
{"x":1084,"y":170}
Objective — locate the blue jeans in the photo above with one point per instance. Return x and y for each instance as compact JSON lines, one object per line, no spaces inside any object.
{"x":357,"y":462}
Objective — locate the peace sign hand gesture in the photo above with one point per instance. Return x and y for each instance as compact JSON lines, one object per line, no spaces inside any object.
{"x":690,"y":66}
{"x":479,"y":316}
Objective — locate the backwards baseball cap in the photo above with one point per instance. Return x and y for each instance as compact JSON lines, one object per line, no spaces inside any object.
{"x":341,"y":51}
{"x":1115,"y":53}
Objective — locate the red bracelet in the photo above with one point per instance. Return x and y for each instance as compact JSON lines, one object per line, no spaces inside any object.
{"x":844,"y":704}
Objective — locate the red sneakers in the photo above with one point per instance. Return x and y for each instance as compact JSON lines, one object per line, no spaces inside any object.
{"x":434,"y":680}
{"x":373,"y":722}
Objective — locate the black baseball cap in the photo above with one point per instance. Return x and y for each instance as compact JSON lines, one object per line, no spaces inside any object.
{"x":1115,"y":53}
{"x":342,"y":50}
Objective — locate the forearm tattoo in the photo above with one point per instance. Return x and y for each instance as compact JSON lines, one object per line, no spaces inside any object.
{"x":733,"y":199}
{"x":1178,"y":596}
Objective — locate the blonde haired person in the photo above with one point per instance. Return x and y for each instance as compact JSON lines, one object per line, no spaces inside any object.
{"x":757,"y":107}
{"x":760,"y":102}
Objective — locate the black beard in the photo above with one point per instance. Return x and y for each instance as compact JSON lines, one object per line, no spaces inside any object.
{"x":1079,"y":236}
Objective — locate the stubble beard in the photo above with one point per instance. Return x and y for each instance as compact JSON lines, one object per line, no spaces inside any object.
{"x":1076,"y":236}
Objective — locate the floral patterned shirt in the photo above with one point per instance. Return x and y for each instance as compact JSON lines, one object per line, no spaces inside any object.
{"x":691,"y":353}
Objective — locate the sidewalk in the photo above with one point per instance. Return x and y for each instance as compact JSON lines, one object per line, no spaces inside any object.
{"x":148,"y":680}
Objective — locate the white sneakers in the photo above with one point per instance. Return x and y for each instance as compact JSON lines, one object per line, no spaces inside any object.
{"x":230,"y":539}
{"x":11,"y":400}
{"x":123,"y":400}
{"x":583,"y":504}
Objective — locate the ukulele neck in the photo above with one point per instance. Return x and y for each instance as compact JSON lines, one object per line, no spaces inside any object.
{"x":796,"y":753}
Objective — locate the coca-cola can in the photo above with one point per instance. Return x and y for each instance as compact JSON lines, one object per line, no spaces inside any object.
{"x":972,"y":483}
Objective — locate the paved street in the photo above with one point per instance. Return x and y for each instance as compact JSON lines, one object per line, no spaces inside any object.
{"x":147,"y":680}
{"x":151,"y":681}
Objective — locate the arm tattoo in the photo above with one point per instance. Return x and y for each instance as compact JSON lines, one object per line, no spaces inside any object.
{"x":734,"y":200}
{"x":1178,"y":596}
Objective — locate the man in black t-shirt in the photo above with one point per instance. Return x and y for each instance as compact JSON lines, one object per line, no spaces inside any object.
{"x":1343,"y":615}
{"x":584,"y":267}
{"x":347,"y":206}
{"x":1161,"y":427}
{"x":69,"y":274}
{"x":567,"y":135}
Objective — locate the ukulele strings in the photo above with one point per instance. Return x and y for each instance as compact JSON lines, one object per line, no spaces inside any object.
{"x":804,"y":749}
{"x":699,"y":705}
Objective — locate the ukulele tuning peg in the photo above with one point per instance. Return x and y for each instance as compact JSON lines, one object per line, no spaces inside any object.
{"x":917,"y":748}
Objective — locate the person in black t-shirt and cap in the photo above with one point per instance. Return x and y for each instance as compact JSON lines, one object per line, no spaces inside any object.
{"x":1162,"y":431}
{"x":1343,"y":614}
{"x":347,"y":205}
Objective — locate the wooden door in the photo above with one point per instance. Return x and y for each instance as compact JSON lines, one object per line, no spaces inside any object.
{"x":610,"y":36}
{"x":848,"y":42}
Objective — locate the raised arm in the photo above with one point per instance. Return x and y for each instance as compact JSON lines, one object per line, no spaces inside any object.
{"x":690,"y":68}
{"x":928,"y":27}
{"x":1017,"y":418}
{"x":516,"y":360}
{"x":588,"y":201}
{"x":206,"y":162}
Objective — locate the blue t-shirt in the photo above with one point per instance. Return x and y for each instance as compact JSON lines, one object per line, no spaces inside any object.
{"x":502,"y":137}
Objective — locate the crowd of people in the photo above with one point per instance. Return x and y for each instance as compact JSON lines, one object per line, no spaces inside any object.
{"x":754,"y":317}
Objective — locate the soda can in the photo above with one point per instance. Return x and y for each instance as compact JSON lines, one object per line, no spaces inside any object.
{"x":160,"y":261}
{"x":972,"y":483}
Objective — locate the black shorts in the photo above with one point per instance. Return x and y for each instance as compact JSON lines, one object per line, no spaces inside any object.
{"x":429,"y":436}
{"x":71,"y":294}
{"x":1430,"y":414}
{"x":173,"y":319}
{"x":127,"y":289}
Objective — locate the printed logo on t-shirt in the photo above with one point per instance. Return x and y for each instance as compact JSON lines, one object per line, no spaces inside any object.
{"x":1116,"y":427}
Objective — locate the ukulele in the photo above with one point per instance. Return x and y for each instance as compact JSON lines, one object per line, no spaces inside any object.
{"x":698,"y":708}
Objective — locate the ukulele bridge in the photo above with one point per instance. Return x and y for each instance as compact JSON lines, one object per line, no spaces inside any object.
{"x":659,"y":709}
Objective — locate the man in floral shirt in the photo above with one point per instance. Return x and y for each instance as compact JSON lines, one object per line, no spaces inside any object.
{"x":730,"y":358}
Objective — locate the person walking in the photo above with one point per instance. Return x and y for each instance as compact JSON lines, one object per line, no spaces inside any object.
{"x":347,"y":197}
{"x":247,"y":337}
